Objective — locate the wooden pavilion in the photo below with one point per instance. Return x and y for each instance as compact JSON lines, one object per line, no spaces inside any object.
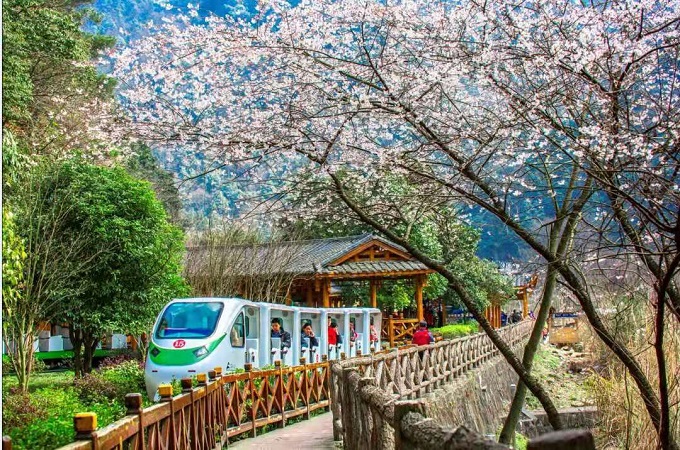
{"x":317,"y":266}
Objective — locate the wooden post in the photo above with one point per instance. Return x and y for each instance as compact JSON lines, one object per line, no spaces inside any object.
{"x":326,"y":293}
{"x":6,"y":443}
{"x":310,"y":295}
{"x":289,"y":300}
{"x":85,"y":424}
{"x":133,"y":405}
{"x":373,"y":293}
{"x":420,"y":282}
{"x":390,"y":330}
{"x":280,"y":391}
{"x":525,"y":303}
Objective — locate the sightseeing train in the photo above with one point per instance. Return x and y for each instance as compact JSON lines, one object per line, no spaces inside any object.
{"x":195,"y":335}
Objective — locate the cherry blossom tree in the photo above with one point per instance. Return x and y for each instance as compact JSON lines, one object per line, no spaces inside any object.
{"x":559,"y":118}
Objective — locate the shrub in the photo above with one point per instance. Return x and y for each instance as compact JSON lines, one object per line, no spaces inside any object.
{"x":52,"y":426}
{"x":19,"y":409}
{"x":456,"y":330}
{"x":92,"y":388}
{"x":126,"y":377}
{"x":116,"y":360}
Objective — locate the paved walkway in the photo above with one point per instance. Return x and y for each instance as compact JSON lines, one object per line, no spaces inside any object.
{"x":315,"y":433}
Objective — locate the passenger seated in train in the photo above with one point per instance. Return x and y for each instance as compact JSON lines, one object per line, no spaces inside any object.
{"x":353,"y":335}
{"x":279,"y":332}
{"x":373,"y":333}
{"x":334,"y":338}
{"x":308,"y":338}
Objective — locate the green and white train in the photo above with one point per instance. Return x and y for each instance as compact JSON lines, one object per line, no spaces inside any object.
{"x":195,"y":335}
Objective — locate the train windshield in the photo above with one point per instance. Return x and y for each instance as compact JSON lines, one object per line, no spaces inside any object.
{"x":189,"y":320}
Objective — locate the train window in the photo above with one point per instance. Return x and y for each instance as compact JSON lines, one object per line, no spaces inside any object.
{"x":189,"y":320}
{"x":238,"y":332}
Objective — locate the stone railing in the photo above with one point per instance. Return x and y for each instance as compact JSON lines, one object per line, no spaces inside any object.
{"x":375,"y":398}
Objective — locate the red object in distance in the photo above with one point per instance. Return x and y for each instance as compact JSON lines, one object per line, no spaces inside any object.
{"x":179,"y":343}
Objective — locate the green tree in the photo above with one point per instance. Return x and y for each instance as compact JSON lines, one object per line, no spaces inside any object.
{"x":51,"y":92}
{"x":14,"y":329}
{"x":133,"y":252}
{"x":142,"y":164}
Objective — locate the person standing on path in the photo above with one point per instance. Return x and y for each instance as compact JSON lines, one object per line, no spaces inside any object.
{"x":422,"y":336}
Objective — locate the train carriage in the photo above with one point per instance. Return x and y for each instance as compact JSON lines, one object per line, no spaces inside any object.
{"x":195,"y":335}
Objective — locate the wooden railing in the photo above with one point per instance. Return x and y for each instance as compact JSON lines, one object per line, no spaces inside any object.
{"x":221,"y":407}
{"x":407,"y":373}
{"x":398,"y":330}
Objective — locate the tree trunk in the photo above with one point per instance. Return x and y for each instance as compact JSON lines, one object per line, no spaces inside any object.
{"x":508,"y":432}
{"x":90,"y":343}
{"x":76,"y":337}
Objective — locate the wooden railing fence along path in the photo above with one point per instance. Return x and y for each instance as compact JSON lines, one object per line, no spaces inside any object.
{"x":377,"y":404}
{"x":396,"y":330}
{"x":205,"y":417}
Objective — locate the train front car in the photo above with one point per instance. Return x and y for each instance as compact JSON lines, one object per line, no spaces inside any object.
{"x":190,"y":337}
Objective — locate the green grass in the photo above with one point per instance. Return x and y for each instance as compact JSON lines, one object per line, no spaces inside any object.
{"x":564,"y":388}
{"x":521,"y":441}
{"x":55,"y":380}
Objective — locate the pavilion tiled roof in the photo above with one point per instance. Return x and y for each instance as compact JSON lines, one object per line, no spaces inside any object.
{"x":314,"y":257}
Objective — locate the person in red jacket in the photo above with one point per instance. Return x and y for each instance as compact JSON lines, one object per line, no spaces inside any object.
{"x":332,"y":333}
{"x":422,"y":336}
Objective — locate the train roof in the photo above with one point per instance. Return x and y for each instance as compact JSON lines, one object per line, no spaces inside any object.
{"x":278,"y":306}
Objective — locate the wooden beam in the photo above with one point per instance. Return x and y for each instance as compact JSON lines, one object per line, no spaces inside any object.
{"x":377,"y":275}
{"x":347,"y":256}
{"x":373,"y":293}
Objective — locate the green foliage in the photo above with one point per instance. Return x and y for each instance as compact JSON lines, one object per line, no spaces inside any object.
{"x":41,"y":41}
{"x":14,"y":162}
{"x":135,"y":252}
{"x":111,"y":383}
{"x":92,"y":386}
{"x":13,"y":257}
{"x":44,"y":418}
{"x":143,"y":165}
{"x":457,"y":330}
{"x":127,"y":377}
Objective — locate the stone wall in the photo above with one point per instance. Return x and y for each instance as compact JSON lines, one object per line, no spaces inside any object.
{"x":580,"y":417}
{"x":479,"y":400}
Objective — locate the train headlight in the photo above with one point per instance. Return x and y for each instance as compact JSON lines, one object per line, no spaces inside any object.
{"x":200,"y":352}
